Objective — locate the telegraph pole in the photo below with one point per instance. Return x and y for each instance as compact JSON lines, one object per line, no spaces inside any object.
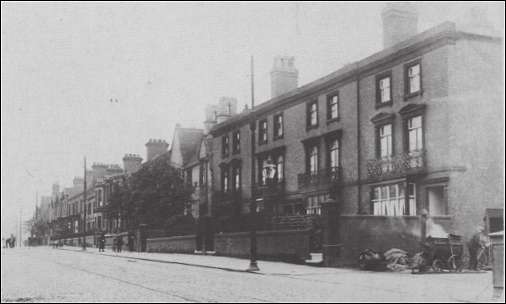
{"x":85,"y":206}
{"x":252,"y":78}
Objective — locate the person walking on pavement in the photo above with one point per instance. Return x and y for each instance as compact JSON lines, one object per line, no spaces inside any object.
{"x":101,"y":243}
{"x":120,"y":243}
{"x":115,"y":244}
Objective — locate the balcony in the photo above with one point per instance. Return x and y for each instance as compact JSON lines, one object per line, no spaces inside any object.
{"x":270,"y":189}
{"x":319,"y":180}
{"x":396,"y":166}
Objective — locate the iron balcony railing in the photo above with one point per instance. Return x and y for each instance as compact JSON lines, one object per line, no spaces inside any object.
{"x":325,"y":177}
{"x":269,"y":188}
{"x":398,"y":165}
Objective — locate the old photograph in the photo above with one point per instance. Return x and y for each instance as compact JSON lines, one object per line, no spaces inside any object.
{"x":247,"y":151}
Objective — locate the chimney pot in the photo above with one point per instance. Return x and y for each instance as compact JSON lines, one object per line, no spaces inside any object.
{"x":284,"y":75}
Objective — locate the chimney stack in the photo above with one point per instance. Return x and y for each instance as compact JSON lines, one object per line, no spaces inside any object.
{"x":98,"y":171}
{"x":131,"y":163}
{"x":78,"y":181}
{"x":155,"y":147}
{"x":400,"y":22}
{"x":211,"y":117}
{"x":284,"y":75}
{"x":56,"y":189}
{"x":227,"y":107}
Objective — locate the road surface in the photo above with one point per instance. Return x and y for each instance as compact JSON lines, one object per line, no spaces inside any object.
{"x":44,"y":274}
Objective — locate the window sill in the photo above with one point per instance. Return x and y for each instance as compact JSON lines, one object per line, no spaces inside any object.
{"x":278,"y":137}
{"x":332,"y":120}
{"x":384,"y":104}
{"x":411,"y":95}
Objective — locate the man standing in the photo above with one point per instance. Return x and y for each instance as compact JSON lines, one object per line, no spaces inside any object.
{"x":120,"y":242}
{"x":474,"y":245}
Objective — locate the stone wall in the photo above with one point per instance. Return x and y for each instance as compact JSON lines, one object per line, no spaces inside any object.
{"x":174,"y":244}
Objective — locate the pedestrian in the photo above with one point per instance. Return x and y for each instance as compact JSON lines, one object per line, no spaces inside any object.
{"x":120,"y":243}
{"x":474,"y":245}
{"x":101,"y":243}
{"x":130,"y":242}
{"x":115,"y":243}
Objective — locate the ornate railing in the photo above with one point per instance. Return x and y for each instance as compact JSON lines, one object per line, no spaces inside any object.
{"x":271,"y":188}
{"x":398,"y":165}
{"x":321,"y":178}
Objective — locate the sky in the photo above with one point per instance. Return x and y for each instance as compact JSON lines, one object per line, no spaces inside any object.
{"x":61,"y":63}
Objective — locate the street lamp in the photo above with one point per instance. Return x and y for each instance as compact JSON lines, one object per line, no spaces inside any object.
{"x":268,"y":174}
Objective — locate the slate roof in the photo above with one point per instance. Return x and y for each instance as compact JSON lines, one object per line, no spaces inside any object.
{"x":189,"y":140}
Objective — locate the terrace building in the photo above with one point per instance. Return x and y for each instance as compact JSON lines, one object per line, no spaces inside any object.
{"x":413,"y":129}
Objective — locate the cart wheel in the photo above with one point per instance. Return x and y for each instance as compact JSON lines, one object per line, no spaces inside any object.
{"x":437,"y":265}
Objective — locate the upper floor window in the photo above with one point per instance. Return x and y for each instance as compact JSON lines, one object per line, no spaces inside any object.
{"x":224,"y":146}
{"x":333,"y":154}
{"x":280,"y":167}
{"x":384,"y":89}
{"x":236,"y":178}
{"x":236,"y":142}
{"x":224,"y":179}
{"x":333,"y":106}
{"x":278,"y":126}
{"x":385,"y":141}
{"x":413,"y":78}
{"x":415,"y":134}
{"x":262,"y":132}
{"x":312,"y":159}
{"x":312,"y":114}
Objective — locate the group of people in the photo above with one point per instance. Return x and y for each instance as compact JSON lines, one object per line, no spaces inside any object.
{"x":117,"y":243}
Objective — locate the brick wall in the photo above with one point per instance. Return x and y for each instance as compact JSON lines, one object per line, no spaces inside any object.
{"x":381,"y":233}
{"x":175,"y":244}
{"x":292,"y":245}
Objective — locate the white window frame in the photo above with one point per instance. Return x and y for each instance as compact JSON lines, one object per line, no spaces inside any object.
{"x":414,"y":79}
{"x":385,"y":141}
{"x":313,"y":159}
{"x":384,"y":87}
{"x":415,"y":134}
{"x":334,"y":107}
{"x":334,"y":153}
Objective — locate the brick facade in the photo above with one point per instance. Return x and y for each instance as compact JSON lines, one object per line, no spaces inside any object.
{"x":455,"y":175}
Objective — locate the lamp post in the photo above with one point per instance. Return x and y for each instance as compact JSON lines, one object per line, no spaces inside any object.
{"x":268,"y":172}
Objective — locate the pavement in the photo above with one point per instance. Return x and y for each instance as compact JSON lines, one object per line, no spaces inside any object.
{"x":43,"y":274}
{"x":212,"y":261}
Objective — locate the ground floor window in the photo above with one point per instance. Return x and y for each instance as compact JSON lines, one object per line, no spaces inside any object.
{"x":314,"y":203}
{"x":391,"y":200}
{"x":436,"y":197}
